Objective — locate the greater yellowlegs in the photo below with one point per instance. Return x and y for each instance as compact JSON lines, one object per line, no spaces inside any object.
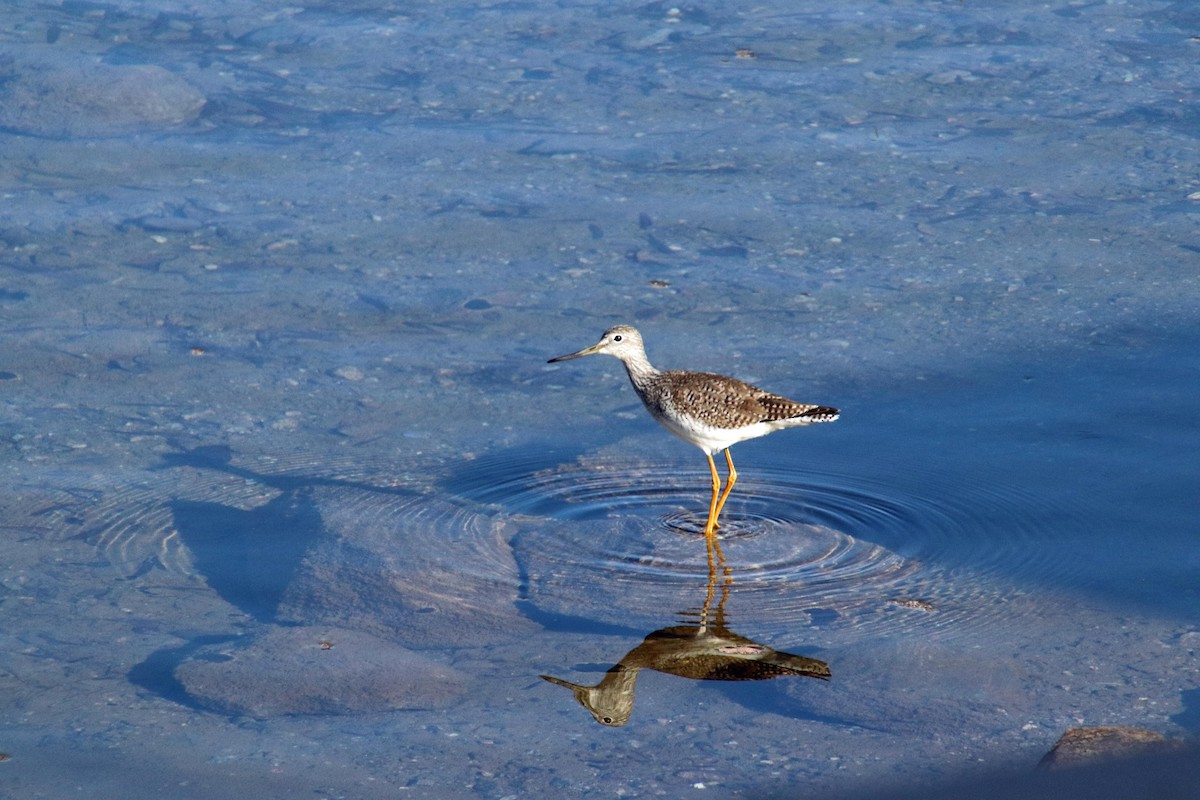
{"x":711,"y":411}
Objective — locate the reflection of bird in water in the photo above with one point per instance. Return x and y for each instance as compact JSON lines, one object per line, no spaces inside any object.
{"x":711,"y":411}
{"x":705,"y":652}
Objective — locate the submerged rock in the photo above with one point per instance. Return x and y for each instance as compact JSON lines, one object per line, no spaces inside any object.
{"x":309,"y":670}
{"x":1086,"y":745}
{"x":93,"y":100}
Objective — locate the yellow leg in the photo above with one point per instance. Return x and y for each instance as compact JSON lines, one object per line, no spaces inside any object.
{"x":710,"y":526}
{"x":728,"y":486}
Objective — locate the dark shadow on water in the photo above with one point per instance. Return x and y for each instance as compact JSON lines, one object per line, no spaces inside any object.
{"x":157,"y":673}
{"x":250,"y":557}
{"x":1071,"y":470}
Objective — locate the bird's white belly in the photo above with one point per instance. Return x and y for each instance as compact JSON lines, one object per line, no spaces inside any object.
{"x":713,"y":440}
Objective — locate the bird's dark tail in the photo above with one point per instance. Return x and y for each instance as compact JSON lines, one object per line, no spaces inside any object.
{"x":821,"y":414}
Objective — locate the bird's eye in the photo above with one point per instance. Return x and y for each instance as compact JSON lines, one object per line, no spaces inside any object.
{"x":617,"y":338}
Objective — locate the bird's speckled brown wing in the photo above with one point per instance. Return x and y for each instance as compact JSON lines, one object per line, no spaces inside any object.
{"x":725,"y":402}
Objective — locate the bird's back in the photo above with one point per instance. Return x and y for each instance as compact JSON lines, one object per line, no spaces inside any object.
{"x":718,"y":401}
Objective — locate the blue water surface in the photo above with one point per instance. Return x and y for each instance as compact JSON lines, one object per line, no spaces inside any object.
{"x":294,"y":505}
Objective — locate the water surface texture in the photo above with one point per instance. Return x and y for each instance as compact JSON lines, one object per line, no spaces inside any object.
{"x":294,"y":506}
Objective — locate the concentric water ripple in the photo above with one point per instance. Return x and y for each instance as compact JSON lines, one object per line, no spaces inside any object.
{"x":802,"y":546}
{"x":132,"y":522}
{"x":135,"y":529}
{"x":591,"y":540}
{"x":305,"y":542}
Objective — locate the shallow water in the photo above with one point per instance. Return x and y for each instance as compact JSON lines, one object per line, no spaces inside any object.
{"x":295,"y":505}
